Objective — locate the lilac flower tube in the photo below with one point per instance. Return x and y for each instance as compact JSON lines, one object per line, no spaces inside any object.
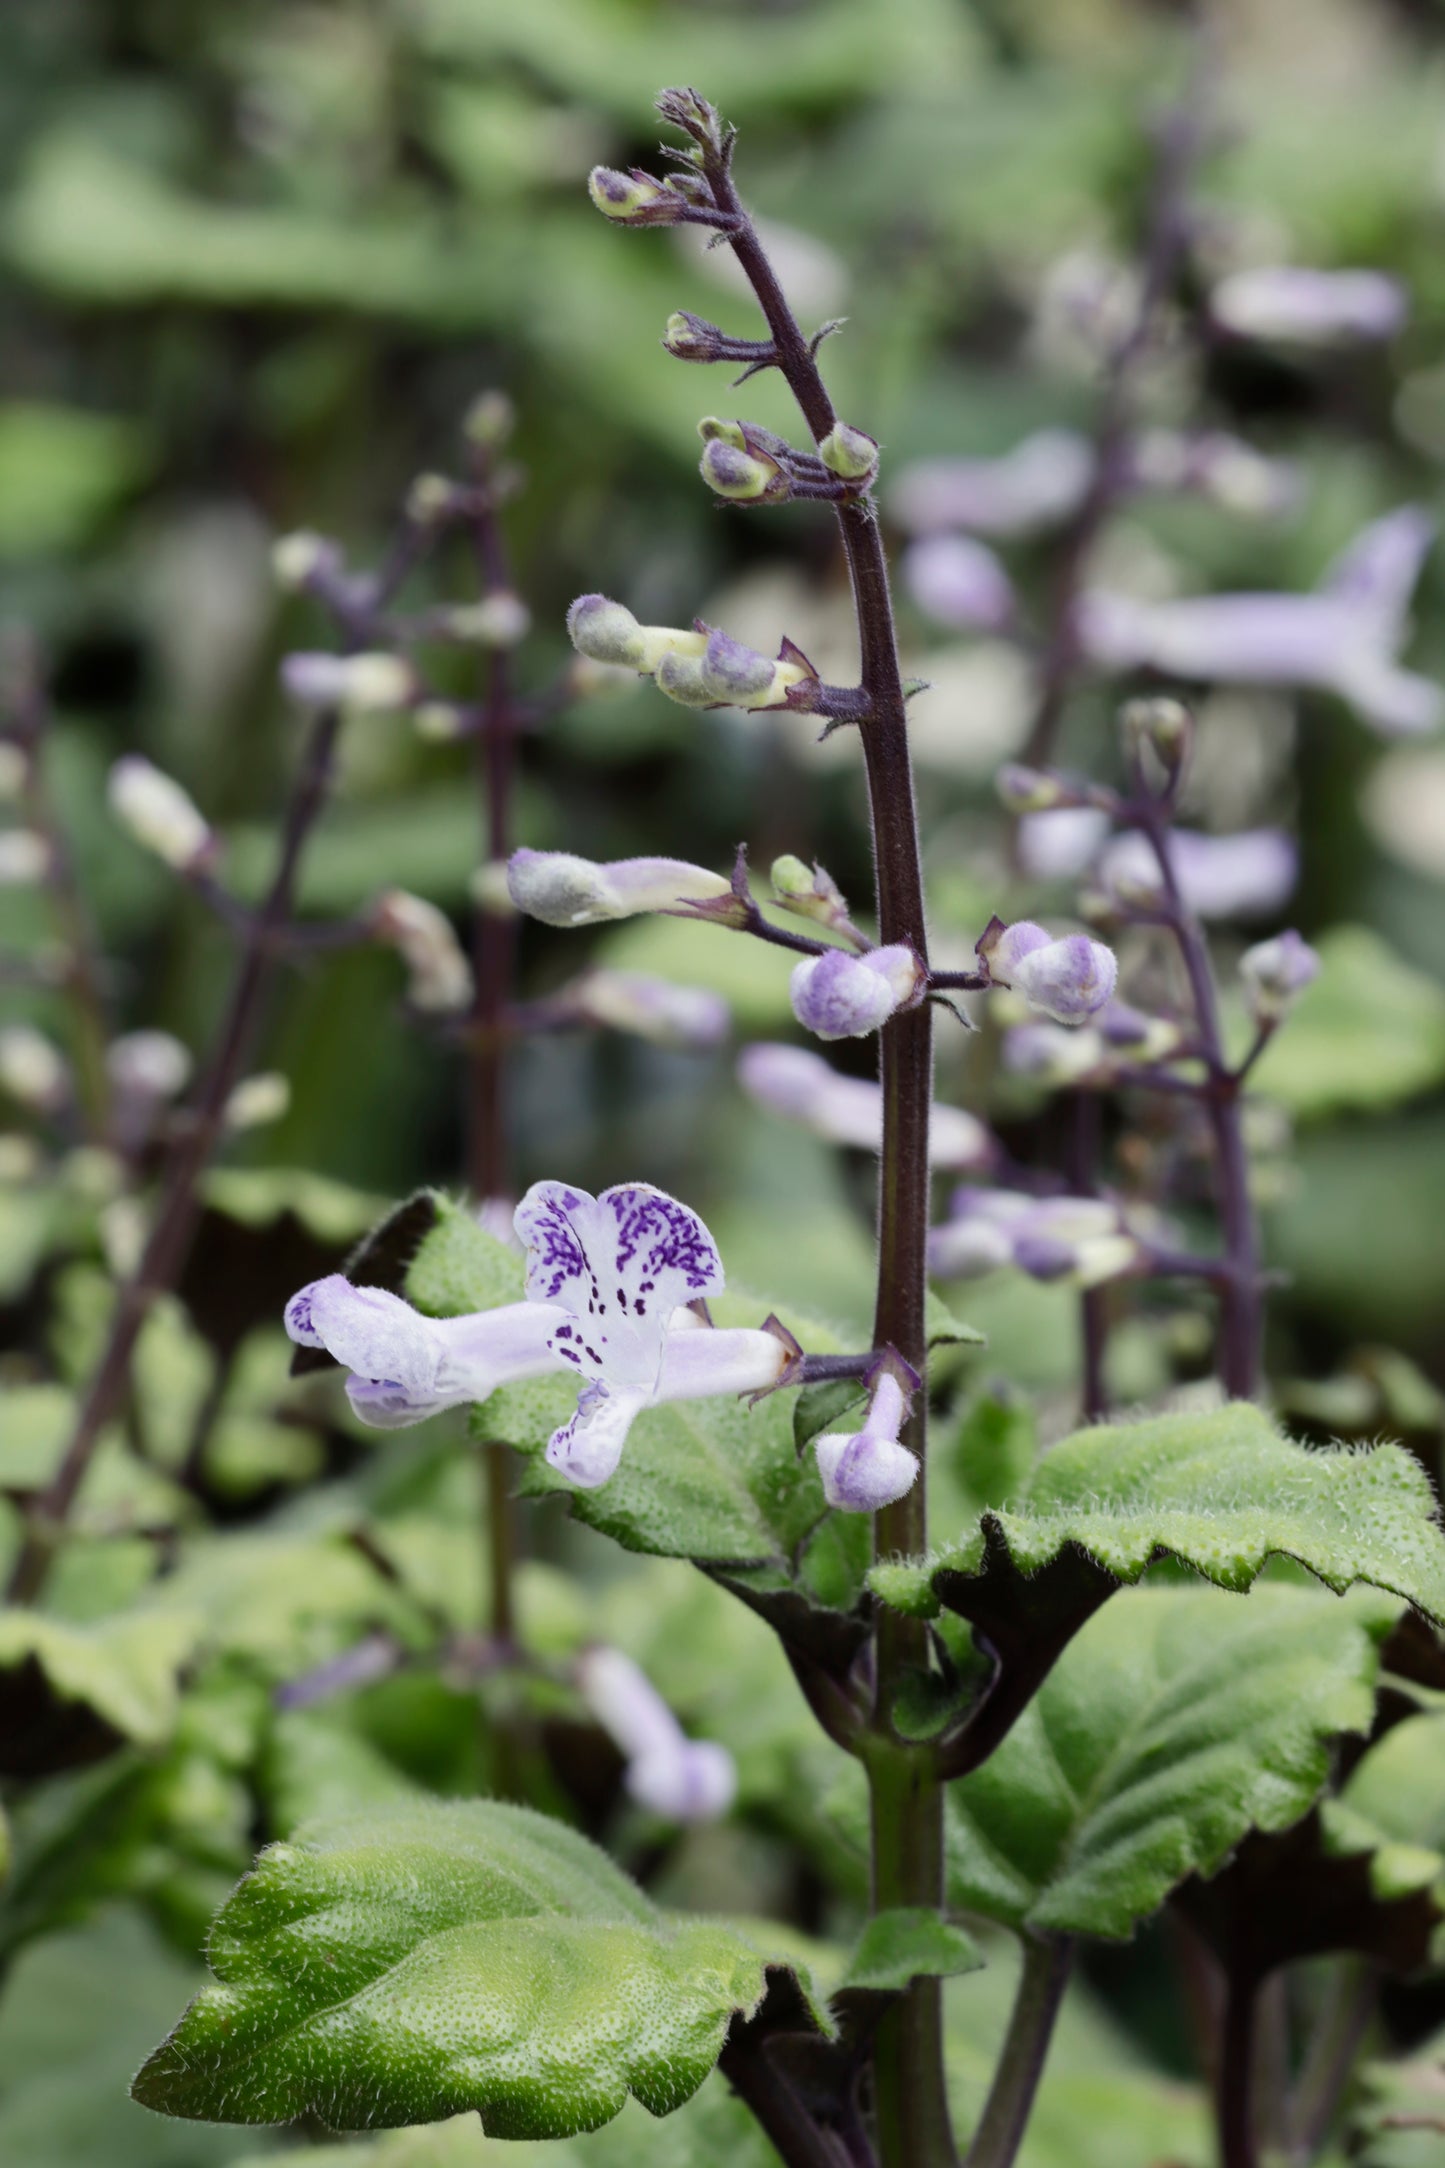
{"x":848,"y":1110}
{"x":686,"y":1780}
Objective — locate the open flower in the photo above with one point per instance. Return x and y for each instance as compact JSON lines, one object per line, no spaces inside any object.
{"x":867,"y":1469}
{"x":687,"y":1780}
{"x":1344,"y":638}
{"x":608,"y":1282}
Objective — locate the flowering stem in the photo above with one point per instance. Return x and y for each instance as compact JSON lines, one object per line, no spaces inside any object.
{"x":1237,"y":2147}
{"x":1047,"y":1963}
{"x":906,"y":1797}
{"x":178,"y":1210}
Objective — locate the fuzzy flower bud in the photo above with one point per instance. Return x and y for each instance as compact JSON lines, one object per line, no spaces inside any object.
{"x":565,"y":891}
{"x":298,"y":559}
{"x":489,"y":420}
{"x":1048,"y":1054}
{"x":32,"y":1070}
{"x":841,"y":996}
{"x":607,"y":632}
{"x":809,"y":892}
{"x":1030,"y":790}
{"x":690,"y":1019}
{"x":692,"y":338}
{"x":1068,"y":979}
{"x":849,"y":453}
{"x":14,"y":767}
{"x":742,"y":477}
{"x":1276,"y":973}
{"x":159,"y":814}
{"x":869,"y":1469}
{"x":440,"y":978}
{"x":258,"y":1100}
{"x":634,"y":199}
{"x":680,"y":677}
{"x":25,"y":858}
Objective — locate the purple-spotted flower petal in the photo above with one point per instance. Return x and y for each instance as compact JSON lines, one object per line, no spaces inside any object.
{"x":842,"y":996}
{"x":869,"y":1469}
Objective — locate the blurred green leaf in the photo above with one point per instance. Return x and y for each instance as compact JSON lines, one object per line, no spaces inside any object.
{"x":1392,"y":1805}
{"x":62,"y":470}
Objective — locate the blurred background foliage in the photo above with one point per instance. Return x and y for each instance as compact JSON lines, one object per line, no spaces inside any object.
{"x":256,"y":262}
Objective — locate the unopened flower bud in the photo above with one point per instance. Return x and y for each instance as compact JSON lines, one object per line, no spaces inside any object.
{"x":1068,"y":979}
{"x":849,"y":453}
{"x":14,"y":767}
{"x":367,"y":684}
{"x":499,"y":620}
{"x":440,"y":978}
{"x":633,"y":198}
{"x":809,"y":892}
{"x":431,"y":498}
{"x":740,"y":476}
{"x":32,"y":1070}
{"x":1159,"y":727}
{"x":490,"y":419}
{"x":25,"y":858}
{"x":691,"y":1019}
{"x":1057,"y":846}
{"x":842,"y":996}
{"x":440,"y":722}
{"x":159,"y":814}
{"x":734,"y":673}
{"x":715,"y":429}
{"x":1049,"y":1054}
{"x":565,"y":891}
{"x":1030,"y":790}
{"x":297,"y":559}
{"x":849,"y":1110}
{"x":1276,"y":973}
{"x":257,"y":1100}
{"x":870,"y":1469}
{"x":607,"y":632}
{"x":148,"y":1065}
{"x":680,"y":676}
{"x":692,"y":338}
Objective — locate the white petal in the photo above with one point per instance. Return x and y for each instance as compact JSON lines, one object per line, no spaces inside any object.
{"x":588,"y":1449}
{"x":730,"y":1359}
{"x":369,"y":1331}
{"x":694,"y":1781}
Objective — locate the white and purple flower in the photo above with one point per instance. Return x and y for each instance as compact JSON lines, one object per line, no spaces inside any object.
{"x":609,"y":1280}
{"x":867,"y":1469}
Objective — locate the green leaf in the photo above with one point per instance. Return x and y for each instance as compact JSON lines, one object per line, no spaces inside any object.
{"x":119,"y":1672}
{"x":908,"y":1944}
{"x":420,"y":1961}
{"x":457,"y":1266}
{"x":62,"y":470}
{"x":332,"y":1211}
{"x":1369,"y":1033}
{"x":1392,"y":1805}
{"x":1176,"y":1723}
{"x":1400,"y":2123}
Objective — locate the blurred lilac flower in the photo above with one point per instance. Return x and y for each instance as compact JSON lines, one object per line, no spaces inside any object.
{"x":608,"y":1281}
{"x":1302,"y":306}
{"x":686,"y":1780}
{"x":688,"y":1018}
{"x":1211,"y":463}
{"x":1344,"y":638}
{"x":841,"y":996}
{"x":959,"y":583}
{"x":1039,"y":484}
{"x":1084,"y":1240}
{"x":1057,"y":845}
{"x":848,"y":1110}
{"x":868,"y":1468}
{"x":1249,"y":875}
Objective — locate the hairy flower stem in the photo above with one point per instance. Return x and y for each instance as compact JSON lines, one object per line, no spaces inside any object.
{"x":1047,"y":1963}
{"x":494,"y":962}
{"x":179,"y":1207}
{"x":907,"y":1801}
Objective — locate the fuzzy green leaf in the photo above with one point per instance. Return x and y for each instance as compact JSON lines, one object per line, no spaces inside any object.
{"x":428,"y":1959}
{"x":908,"y":1944}
{"x":1176,"y":1723}
{"x":1393,"y":1806}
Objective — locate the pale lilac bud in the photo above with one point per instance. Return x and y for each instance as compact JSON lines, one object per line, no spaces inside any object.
{"x":32,"y":1070}
{"x":25,"y":858}
{"x":1003,"y":948}
{"x":791,"y":1081}
{"x":850,"y":453}
{"x":367,"y":684}
{"x":1056,"y":846}
{"x":959,"y":583}
{"x":1038,"y":484}
{"x":1067,"y":980}
{"x":1031,"y":790}
{"x":686,"y":1780}
{"x":14,"y":769}
{"x":159,"y":814}
{"x":606,"y":632}
{"x":500,"y":620}
{"x":1049,"y":1054}
{"x":1159,"y":729}
{"x":680,"y":677}
{"x":634,"y":198}
{"x":148,"y":1065}
{"x":1307,"y":307}
{"x":258,"y":1100}
{"x":689,"y":1018}
{"x":840,"y":996}
{"x":869,"y":1470}
{"x":439,"y":976}
{"x":1216,"y":465}
{"x":743,"y":477}
{"x":565,"y":891}
{"x":1276,"y":973}
{"x":298,"y":559}
{"x":978,"y":1236}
